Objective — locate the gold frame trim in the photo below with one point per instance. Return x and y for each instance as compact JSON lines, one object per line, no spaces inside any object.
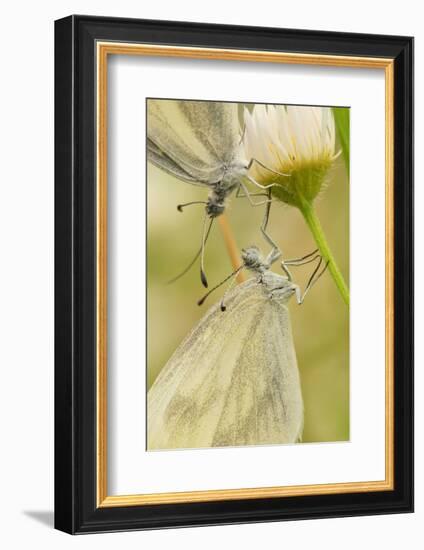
{"x":104,"y":49}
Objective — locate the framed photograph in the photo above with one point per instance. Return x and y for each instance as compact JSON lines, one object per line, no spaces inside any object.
{"x":234,"y":274}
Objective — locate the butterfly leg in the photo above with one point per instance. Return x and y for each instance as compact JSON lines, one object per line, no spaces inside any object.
{"x":312,"y":280}
{"x":304,"y":259}
{"x":275,"y":253}
{"x":252,"y":160}
{"x":298,"y":294}
{"x":298,"y":262}
{"x":248,"y":195}
{"x":286,"y":271}
{"x":241,"y":195}
{"x":259,"y":185}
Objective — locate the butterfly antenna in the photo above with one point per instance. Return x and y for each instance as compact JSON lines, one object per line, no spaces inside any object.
{"x":181,"y":206}
{"x":190,"y":265}
{"x":205,"y":232}
{"x":230,"y":286}
{"x":233,"y":274}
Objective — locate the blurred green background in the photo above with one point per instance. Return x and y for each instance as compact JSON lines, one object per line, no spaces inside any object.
{"x":320,"y":324}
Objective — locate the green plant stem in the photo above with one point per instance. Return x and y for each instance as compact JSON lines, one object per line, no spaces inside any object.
{"x":314,"y":225}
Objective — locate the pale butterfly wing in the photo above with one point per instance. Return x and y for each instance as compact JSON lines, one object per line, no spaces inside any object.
{"x":233,"y":381}
{"x":216,"y":125}
{"x":166,"y":163}
{"x":170,"y":133}
{"x":192,"y":140}
{"x":264,"y":401}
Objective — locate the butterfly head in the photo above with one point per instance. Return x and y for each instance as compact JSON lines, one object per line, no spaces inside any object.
{"x":214,"y":208}
{"x":253,"y":259}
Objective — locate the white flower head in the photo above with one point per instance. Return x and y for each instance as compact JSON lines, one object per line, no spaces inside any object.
{"x":295,"y":140}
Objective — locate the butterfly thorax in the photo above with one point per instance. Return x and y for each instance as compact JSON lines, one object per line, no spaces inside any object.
{"x":233,"y":174}
{"x":229,"y":182}
{"x":275,"y":286}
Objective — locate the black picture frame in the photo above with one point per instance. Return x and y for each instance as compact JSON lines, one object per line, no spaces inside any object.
{"x":76,"y":509}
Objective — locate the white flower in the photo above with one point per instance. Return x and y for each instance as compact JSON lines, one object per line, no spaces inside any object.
{"x":294,"y":140}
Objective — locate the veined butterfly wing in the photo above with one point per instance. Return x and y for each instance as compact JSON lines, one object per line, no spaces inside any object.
{"x":233,"y":381}
{"x":166,"y":163}
{"x":216,"y":125}
{"x":171,"y":134}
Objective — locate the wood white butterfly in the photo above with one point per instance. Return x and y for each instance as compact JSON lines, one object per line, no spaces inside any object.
{"x":234,"y":380}
{"x":199,"y":142}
